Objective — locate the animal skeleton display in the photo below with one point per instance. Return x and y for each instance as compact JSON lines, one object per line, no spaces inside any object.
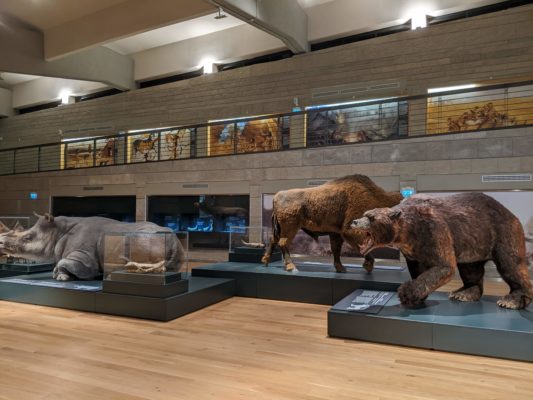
{"x":145,"y":268}
{"x":253,"y":245}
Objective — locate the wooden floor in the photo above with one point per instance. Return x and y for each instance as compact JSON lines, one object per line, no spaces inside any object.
{"x":238,"y":349}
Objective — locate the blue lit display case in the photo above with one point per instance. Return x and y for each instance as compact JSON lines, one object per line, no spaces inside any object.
{"x":207,"y":218}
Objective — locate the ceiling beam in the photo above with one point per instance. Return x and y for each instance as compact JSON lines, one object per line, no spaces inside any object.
{"x":119,"y":21}
{"x":22,"y":52}
{"x":284,"y":19}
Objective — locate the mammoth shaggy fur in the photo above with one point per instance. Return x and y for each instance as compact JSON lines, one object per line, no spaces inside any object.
{"x":439,"y":235}
{"x":328,"y":209}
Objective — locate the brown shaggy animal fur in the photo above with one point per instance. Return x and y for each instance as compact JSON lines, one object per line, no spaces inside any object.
{"x":438,"y":235}
{"x":328,"y":209}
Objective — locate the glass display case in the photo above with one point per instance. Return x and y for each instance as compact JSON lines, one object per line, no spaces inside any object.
{"x":16,"y":265}
{"x":144,"y":258}
{"x":207,"y":218}
{"x":145,"y":264}
{"x":310,"y":254}
{"x":248,"y":244}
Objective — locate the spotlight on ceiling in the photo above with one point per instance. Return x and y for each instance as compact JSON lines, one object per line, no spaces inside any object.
{"x":220,"y":14}
{"x":419,"y":20}
{"x":65,"y":96}
{"x":208,"y":66}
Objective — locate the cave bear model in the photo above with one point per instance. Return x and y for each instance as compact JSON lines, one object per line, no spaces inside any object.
{"x":438,"y":235}
{"x":328,"y":209}
{"x":76,"y":244}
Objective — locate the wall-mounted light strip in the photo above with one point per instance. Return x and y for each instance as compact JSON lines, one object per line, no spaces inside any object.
{"x":451,"y":88}
{"x":348,"y":103}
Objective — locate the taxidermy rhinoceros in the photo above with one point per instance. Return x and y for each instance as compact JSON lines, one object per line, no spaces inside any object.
{"x":76,"y":244}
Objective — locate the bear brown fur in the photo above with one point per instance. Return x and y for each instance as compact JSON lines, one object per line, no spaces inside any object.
{"x":438,"y":235}
{"x":327,"y":209}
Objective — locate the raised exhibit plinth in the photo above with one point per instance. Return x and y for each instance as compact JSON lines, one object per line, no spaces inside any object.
{"x":251,"y":255}
{"x":480,"y":328}
{"x":41,"y":289}
{"x":312,"y":283}
{"x":14,"y":269}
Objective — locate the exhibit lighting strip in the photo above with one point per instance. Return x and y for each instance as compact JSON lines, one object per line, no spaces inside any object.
{"x":348,"y":103}
{"x":150,"y":129}
{"x":80,"y":138}
{"x":451,"y":88}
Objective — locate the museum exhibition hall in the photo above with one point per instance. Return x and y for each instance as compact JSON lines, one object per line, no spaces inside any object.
{"x":266,"y":199}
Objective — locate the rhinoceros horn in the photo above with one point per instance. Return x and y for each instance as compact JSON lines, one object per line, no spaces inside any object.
{"x":18,"y":227}
{"x":48,"y":217}
{"x":3,"y":228}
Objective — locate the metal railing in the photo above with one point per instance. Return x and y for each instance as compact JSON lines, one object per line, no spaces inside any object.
{"x":447,"y":112}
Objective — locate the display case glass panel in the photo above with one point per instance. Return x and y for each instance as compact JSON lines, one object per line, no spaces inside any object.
{"x":143,"y":147}
{"x":79,"y":154}
{"x":140,"y":257}
{"x":305,"y":250}
{"x":477,"y":110}
{"x":208,"y":219}
{"x":248,"y":244}
{"x":361,"y":123}
{"x":177,"y":144}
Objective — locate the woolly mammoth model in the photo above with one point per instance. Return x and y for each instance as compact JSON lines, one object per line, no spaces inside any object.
{"x":76,"y":244}
{"x":328,"y":209}
{"x":438,"y":235}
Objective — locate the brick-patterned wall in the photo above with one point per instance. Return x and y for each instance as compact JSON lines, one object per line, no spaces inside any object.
{"x":489,"y":48}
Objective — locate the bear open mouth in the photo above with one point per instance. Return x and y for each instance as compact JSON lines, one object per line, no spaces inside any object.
{"x":367,"y":244}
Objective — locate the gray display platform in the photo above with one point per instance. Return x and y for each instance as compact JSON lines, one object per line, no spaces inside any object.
{"x":316,"y":284}
{"x":14,"y":269}
{"x":480,"y":328}
{"x":41,"y":289}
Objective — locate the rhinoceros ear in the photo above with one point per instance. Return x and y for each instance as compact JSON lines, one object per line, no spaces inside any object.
{"x":3,"y":228}
{"x":49,"y":217}
{"x":394,"y":214}
{"x":18,"y":227}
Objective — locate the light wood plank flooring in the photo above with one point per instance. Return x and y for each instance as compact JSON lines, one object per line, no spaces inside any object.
{"x":238,"y":349}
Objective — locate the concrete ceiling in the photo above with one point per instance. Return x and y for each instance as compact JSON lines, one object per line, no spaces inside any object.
{"x":118,"y":42}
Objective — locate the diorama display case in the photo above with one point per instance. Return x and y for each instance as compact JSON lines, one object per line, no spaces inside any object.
{"x":315,"y":255}
{"x":145,"y":264}
{"x":248,"y":244}
{"x":207,"y":218}
{"x":11,"y":266}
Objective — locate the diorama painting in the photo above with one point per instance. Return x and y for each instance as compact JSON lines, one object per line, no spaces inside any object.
{"x":473,"y":111}
{"x":356,"y":124}
{"x":304,"y":245}
{"x":106,"y":151}
{"x":176,"y":144}
{"x":79,"y":154}
{"x":521,"y":205}
{"x":245,"y":137}
{"x":143,"y":147}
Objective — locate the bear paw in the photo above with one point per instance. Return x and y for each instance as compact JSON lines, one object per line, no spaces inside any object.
{"x":409,"y":294}
{"x":265,"y":260}
{"x":514,"y":301}
{"x":469,"y":294}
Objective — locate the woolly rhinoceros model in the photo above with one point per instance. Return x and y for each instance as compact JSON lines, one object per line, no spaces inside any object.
{"x":437,"y":236}
{"x":328,"y":209}
{"x":77,"y":244}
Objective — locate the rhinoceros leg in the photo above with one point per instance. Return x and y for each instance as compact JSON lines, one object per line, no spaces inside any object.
{"x":68,"y":269}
